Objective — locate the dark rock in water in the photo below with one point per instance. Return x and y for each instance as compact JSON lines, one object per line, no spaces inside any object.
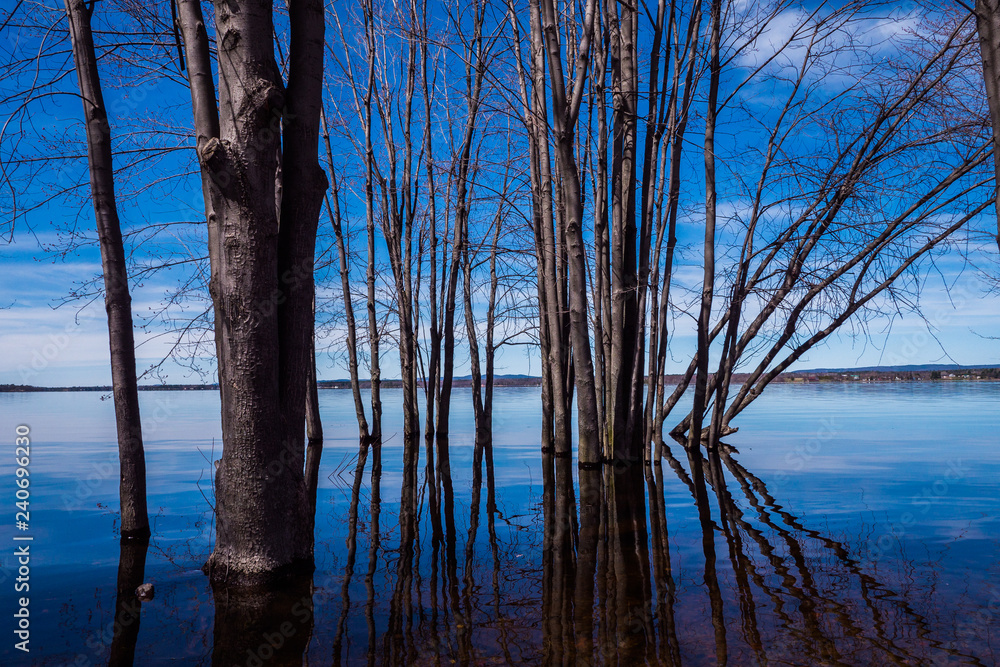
{"x":145,"y":592}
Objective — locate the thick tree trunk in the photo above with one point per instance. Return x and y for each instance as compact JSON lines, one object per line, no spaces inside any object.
{"x":259,"y":512}
{"x":117,"y":300}
{"x":262,"y":274}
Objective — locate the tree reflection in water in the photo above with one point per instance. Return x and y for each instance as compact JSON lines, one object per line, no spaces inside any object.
{"x":128,"y":607}
{"x":691,"y":561}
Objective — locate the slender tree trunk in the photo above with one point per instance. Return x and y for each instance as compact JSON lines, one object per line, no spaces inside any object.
{"x":314,"y":434}
{"x":374,"y":332}
{"x":475,"y":70}
{"x":491,"y":312}
{"x":554,"y":342}
{"x":432,"y":376}
{"x":345,"y":287}
{"x":624,"y":288}
{"x":602,"y":277}
{"x":566,"y":107}
{"x":475,"y":367}
{"x":988,"y":25}
{"x":708,"y":279}
{"x":117,"y":300}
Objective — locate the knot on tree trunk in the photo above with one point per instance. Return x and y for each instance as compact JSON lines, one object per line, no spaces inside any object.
{"x":214,"y":155}
{"x":211,"y":152}
{"x":230,"y":39}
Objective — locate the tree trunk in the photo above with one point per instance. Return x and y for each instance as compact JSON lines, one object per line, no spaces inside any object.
{"x":553,"y":338}
{"x":262,"y":274}
{"x":314,"y":434}
{"x":988,"y":25}
{"x":117,"y":301}
{"x":345,"y":287}
{"x":624,"y":304}
{"x":708,"y":278}
{"x":566,"y":107}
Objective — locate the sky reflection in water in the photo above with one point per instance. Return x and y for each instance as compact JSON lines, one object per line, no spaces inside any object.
{"x":850,"y":525}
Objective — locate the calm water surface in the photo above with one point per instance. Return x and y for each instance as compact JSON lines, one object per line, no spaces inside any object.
{"x":850,"y":524}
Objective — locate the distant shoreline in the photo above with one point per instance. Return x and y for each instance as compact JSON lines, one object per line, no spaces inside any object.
{"x":920,"y":374}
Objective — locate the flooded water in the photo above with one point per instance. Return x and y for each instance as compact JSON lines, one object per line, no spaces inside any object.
{"x":845,"y":524}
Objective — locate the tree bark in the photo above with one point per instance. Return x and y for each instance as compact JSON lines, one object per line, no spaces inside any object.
{"x":262,"y":274}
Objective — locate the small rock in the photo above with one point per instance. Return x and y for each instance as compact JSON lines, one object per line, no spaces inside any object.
{"x":144,"y":592}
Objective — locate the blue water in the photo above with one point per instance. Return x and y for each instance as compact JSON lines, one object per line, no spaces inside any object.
{"x":865,"y":530}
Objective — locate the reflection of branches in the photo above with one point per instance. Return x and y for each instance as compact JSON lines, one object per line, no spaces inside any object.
{"x":875,"y":594}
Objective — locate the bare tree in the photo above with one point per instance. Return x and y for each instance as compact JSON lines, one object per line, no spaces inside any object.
{"x":711,"y":197}
{"x":566,"y":101}
{"x":118,"y":301}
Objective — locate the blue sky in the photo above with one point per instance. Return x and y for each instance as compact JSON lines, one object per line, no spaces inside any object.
{"x":47,"y":344}
{"x":47,"y":341}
